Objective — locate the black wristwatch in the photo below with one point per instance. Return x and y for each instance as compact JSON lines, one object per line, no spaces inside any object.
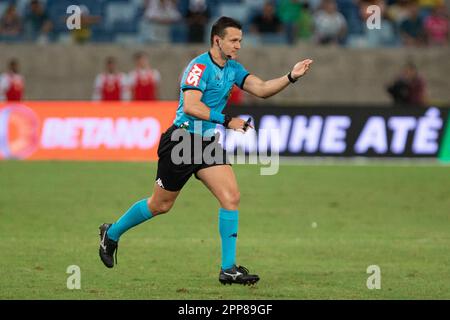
{"x":227,"y":121}
{"x":292,"y":80}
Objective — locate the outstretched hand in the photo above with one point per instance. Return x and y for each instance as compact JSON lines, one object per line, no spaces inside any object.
{"x":301,"y":68}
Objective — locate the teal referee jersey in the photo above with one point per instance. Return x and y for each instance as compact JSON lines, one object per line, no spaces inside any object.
{"x":215,"y":82}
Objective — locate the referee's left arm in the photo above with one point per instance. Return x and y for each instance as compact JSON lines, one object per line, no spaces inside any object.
{"x":266,"y":89}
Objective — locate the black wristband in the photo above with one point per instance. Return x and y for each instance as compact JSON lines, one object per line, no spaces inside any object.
{"x":227,"y":121}
{"x":292,"y":80}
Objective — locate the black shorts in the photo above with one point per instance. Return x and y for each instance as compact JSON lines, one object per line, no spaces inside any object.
{"x":174,"y":170}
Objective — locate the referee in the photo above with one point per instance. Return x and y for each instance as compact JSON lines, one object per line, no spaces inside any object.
{"x":204,"y":90}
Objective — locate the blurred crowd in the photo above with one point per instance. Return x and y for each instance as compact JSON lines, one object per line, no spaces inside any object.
{"x":410,"y":23}
{"x":142,"y":83}
{"x":324,"y":22}
{"x":139,"y":84}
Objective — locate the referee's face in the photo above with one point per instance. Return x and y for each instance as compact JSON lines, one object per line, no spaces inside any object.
{"x":231,"y":42}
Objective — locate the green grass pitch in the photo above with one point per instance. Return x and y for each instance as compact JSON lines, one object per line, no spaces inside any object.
{"x":310,"y":232}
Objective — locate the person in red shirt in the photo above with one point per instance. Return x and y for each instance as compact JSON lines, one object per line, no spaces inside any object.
{"x":143,"y":81}
{"x":110,"y":85}
{"x":12,"y":84}
{"x":437,"y":26}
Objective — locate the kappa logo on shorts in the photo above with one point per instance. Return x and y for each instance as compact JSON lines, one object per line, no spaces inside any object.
{"x":159,"y":182}
{"x":195,"y":74}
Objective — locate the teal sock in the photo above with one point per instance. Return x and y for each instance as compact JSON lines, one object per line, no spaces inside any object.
{"x":135,"y":215}
{"x":228,"y":227}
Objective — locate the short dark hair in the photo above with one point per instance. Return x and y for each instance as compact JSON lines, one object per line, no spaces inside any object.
{"x":13,"y":62}
{"x":218,"y":28}
{"x":110,"y":59}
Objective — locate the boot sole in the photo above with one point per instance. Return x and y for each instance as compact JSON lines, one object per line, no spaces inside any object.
{"x":244,"y":283}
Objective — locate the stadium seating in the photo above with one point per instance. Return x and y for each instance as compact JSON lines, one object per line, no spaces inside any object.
{"x":239,"y":11}
{"x":121,"y":18}
{"x":3,"y":6}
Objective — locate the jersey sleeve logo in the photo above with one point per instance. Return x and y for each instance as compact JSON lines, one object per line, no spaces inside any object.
{"x":195,"y":74}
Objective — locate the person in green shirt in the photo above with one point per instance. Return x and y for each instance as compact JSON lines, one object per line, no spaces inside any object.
{"x":289,"y":13}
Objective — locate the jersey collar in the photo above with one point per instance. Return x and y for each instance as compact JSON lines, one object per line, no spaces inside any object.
{"x":212,"y":60}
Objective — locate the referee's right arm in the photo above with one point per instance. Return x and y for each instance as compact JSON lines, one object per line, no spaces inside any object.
{"x":193,"y":106}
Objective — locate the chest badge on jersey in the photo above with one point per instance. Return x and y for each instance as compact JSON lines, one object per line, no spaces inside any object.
{"x":195,"y":74}
{"x":184,"y":125}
